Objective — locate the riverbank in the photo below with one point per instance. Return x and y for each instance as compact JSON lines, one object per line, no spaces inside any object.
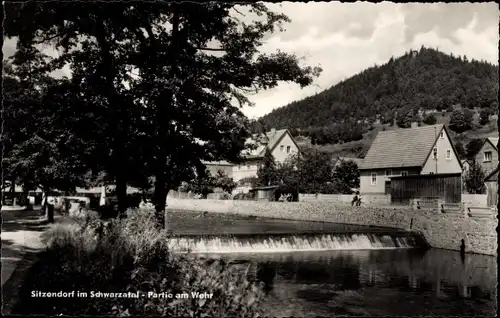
{"x":127,"y":269}
{"x":441,"y":230}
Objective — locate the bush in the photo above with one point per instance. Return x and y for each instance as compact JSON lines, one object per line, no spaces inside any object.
{"x":132,"y":256}
{"x":286,"y":189}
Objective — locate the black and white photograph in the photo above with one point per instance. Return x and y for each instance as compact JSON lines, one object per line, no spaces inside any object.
{"x":249,"y":159}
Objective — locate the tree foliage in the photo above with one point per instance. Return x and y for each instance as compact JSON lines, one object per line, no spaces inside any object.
{"x":473,"y":147}
{"x":459,"y":147}
{"x":346,"y":176}
{"x":460,"y":121}
{"x":149,"y":83}
{"x":430,"y":119}
{"x":474,"y":179}
{"x":267,"y":174}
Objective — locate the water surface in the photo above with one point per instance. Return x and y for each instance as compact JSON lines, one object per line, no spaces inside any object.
{"x":398,"y":282}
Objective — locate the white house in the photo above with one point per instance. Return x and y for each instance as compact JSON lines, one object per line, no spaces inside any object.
{"x":402,"y":152}
{"x":279,"y":142}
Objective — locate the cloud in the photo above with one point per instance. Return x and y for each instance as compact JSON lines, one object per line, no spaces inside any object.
{"x":346,"y":38}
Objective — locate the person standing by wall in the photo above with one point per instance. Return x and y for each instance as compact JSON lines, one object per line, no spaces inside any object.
{"x":355,"y":199}
{"x":358,"y":203}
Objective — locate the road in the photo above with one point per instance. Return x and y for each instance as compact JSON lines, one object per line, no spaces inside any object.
{"x":21,"y":235}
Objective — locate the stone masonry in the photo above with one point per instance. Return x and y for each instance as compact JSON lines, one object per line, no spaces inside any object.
{"x":441,"y":230}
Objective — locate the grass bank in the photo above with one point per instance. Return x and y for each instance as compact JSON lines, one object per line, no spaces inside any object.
{"x":129,"y":259}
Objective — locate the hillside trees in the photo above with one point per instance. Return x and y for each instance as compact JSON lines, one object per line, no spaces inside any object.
{"x":430,"y":119}
{"x":150,"y":73}
{"x":460,"y":121}
{"x":431,"y":80}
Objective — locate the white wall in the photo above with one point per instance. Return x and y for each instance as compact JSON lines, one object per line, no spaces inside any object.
{"x":280,"y":153}
{"x":443,"y":165}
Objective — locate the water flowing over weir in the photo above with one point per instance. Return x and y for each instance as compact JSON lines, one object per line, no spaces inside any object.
{"x":265,"y":243}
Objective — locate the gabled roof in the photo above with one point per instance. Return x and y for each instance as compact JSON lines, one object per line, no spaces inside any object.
{"x":493,"y":141}
{"x":402,"y":148}
{"x":274,"y":137}
{"x":492,"y":176}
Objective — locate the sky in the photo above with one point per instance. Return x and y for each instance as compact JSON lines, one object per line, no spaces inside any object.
{"x":346,"y":38}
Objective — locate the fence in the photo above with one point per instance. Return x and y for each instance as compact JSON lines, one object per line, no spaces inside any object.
{"x":447,"y":187}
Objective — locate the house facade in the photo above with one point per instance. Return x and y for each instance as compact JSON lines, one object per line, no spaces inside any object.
{"x":407,"y":152}
{"x":279,"y":142}
{"x":487,"y":156}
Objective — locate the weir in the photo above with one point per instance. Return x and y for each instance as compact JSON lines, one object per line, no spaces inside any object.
{"x":279,"y":243}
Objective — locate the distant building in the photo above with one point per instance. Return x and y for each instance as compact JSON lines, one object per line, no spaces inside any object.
{"x":491,"y":182}
{"x":279,"y":142}
{"x":338,"y":160}
{"x":487,"y":156}
{"x":406,"y":152}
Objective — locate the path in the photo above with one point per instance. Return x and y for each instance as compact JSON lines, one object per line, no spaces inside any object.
{"x":21,"y":232}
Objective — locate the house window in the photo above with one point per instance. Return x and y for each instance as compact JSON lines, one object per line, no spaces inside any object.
{"x":374,"y":178}
{"x":488,"y":156}
{"x":434,"y":153}
{"x":404,"y":173}
{"x":388,"y":172}
{"x":431,"y":172}
{"x":288,"y":149}
{"x":448,"y":154}
{"x":282,"y":148}
{"x":441,"y":134}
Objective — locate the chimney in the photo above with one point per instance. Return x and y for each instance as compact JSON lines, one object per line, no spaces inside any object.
{"x":414,"y":124}
{"x":273,"y":131}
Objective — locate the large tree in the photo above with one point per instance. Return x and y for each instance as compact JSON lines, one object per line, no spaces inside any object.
{"x":161,"y":78}
{"x":474,"y":179}
{"x":38,"y":151}
{"x":346,"y":176}
{"x":267,"y":174}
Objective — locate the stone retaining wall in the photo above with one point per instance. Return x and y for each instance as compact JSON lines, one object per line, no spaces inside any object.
{"x":441,"y":230}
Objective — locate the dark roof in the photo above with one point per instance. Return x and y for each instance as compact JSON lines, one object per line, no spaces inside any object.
{"x":493,"y":141}
{"x":264,"y":188}
{"x":401,"y":147}
{"x":492,"y":176}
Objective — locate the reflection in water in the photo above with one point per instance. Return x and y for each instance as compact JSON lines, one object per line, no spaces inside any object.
{"x":388,"y":282}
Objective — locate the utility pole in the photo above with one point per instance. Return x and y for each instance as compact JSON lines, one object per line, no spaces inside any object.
{"x":435,"y":149}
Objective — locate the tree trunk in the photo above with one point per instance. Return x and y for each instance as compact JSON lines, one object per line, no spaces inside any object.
{"x":47,"y":208}
{"x":121,"y":194}
{"x":160,"y":201}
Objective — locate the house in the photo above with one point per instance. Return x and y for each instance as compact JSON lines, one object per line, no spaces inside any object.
{"x":491,"y":182}
{"x":487,"y":156}
{"x":339,"y":160}
{"x":224,"y":166}
{"x":407,"y":152}
{"x":466,"y":163}
{"x":279,"y":142}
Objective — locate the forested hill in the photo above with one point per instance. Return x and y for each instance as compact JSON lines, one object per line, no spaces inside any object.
{"x":419,"y":80}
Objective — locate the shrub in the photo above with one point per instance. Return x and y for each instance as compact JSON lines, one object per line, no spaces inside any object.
{"x":132,"y":257}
